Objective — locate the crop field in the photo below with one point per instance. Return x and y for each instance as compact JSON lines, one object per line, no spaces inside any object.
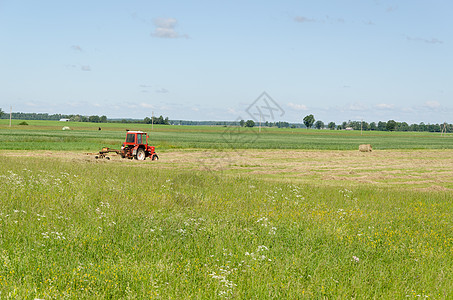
{"x":287,"y":214}
{"x":47,"y":135}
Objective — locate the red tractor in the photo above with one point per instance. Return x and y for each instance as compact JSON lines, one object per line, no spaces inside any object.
{"x":136,"y":146}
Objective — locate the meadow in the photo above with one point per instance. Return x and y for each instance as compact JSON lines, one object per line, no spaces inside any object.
{"x":220,"y":222}
{"x":47,"y":135}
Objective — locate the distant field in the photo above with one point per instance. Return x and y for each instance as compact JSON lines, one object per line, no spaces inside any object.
{"x":47,"y":135}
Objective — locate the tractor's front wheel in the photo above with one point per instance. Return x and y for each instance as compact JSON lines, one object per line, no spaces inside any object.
{"x":154,"y":157}
{"x":140,"y":154}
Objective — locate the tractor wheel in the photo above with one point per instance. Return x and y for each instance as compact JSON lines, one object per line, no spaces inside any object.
{"x":140,"y":154}
{"x":154,"y":157}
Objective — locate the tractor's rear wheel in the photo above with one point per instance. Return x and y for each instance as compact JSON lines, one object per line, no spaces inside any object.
{"x":141,"y":154}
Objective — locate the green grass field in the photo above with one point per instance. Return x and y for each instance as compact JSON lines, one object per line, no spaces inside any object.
{"x":47,"y":135}
{"x":301,"y":225}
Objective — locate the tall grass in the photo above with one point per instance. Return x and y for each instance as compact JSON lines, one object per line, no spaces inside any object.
{"x":86,"y":229}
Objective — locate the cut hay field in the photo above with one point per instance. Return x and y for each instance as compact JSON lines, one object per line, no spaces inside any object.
{"x":210,"y":223}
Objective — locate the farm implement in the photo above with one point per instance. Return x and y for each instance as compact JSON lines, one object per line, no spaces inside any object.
{"x":136,"y":146}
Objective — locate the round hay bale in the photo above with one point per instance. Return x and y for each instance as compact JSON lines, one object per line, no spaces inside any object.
{"x":365,"y":148}
{"x":66,"y":128}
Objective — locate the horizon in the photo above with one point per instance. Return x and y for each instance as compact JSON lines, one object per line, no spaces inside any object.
{"x":326,"y":122}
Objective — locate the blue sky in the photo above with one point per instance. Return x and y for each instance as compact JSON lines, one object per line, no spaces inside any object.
{"x":210,"y":60}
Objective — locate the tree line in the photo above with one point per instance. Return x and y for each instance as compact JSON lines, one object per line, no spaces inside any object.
{"x":92,"y":119}
{"x":80,"y":118}
{"x":390,"y":125}
{"x":53,"y":117}
{"x":153,"y":120}
{"x":308,"y":121}
{"x":32,"y":116}
{"x":279,"y":124}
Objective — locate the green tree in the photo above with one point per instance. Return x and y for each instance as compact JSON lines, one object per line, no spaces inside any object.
{"x":250,"y":123}
{"x":403,"y":126}
{"x":422,"y":127}
{"x":331,"y":125}
{"x":242,"y":123}
{"x":103,"y":119}
{"x":281,"y":124}
{"x":382,"y":126}
{"x":414,"y":127}
{"x":365,"y":125}
{"x":449,"y":128}
{"x":94,"y":119}
{"x":373,"y":126}
{"x":354,"y":125}
{"x":344,"y":125}
{"x":309,"y":121}
{"x":76,"y":118}
{"x":1,"y":113}
{"x":147,"y":120}
{"x":434,"y":128}
{"x":319,"y":124}
{"x":391,"y":125}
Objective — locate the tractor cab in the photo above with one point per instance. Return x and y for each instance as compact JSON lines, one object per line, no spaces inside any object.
{"x":136,"y":138}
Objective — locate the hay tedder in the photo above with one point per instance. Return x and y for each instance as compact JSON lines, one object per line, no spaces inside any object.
{"x":136,"y":146}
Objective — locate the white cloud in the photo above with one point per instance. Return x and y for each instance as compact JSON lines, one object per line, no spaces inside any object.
{"x":131,"y":105}
{"x":432,"y":104}
{"x":297,"y":106}
{"x":32,"y":104}
{"x":424,"y":40}
{"x":409,"y":110}
{"x":162,"y":90}
{"x":165,"y":28}
{"x":327,"y":19}
{"x":358,"y":107}
{"x":146,"y":105}
{"x":85,"y":68}
{"x":301,"y":19}
{"x":76,"y":48}
{"x":391,"y":9}
{"x":232,"y":111}
{"x":384,"y":106}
